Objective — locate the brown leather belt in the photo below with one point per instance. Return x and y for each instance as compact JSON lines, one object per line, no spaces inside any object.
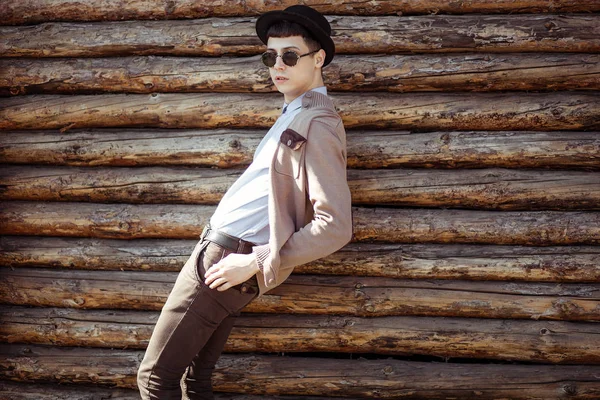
{"x":227,"y":241}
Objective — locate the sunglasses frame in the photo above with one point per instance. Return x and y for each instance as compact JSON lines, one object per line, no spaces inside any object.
{"x":298,"y":56}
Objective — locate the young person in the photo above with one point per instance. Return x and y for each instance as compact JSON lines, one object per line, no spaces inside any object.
{"x":291,"y":206}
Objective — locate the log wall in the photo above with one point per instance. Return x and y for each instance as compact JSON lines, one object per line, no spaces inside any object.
{"x":473,"y":161}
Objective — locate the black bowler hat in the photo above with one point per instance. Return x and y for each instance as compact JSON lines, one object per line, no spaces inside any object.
{"x":314,"y":22}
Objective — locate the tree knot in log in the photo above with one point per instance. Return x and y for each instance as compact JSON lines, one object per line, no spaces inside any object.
{"x":369,"y":308}
{"x":570,"y":389}
{"x":169,"y":7}
{"x":235,"y":144}
{"x":76,"y":302}
{"x":566,"y":307}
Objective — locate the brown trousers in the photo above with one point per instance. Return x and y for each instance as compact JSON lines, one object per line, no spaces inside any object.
{"x":191,"y":330}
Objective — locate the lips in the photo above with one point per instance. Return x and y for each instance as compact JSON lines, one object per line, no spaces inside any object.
{"x":280,"y":79}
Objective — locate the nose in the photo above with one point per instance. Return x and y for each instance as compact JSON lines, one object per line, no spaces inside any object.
{"x":279,"y":65}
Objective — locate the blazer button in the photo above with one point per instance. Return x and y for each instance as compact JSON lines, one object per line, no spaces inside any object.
{"x":244,"y":288}
{"x":289,"y":142}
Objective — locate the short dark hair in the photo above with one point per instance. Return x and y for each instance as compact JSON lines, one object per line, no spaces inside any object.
{"x":286,"y":28}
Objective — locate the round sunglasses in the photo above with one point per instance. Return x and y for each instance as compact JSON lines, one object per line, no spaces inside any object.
{"x":289,"y":58}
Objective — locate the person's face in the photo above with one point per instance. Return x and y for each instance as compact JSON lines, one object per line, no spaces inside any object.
{"x":294,"y":81}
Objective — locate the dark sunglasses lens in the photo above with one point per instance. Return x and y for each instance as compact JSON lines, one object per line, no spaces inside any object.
{"x":269,"y":59}
{"x":289,"y":58}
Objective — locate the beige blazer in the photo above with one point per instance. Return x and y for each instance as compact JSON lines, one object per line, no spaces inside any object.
{"x":310,"y":214}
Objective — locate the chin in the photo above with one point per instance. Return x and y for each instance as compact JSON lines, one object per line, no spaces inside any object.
{"x":282,"y":85}
{"x":284,"y":90}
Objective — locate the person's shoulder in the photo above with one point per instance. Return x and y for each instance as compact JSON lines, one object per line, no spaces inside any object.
{"x":318,"y":107}
{"x":317,"y":117}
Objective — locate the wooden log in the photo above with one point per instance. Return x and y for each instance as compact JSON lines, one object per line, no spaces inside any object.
{"x":48,"y":391}
{"x":436,"y":337}
{"x":69,"y":365}
{"x":492,"y":189}
{"x":468,"y":226}
{"x":576,"y":33}
{"x":529,"y":341}
{"x":223,"y":148}
{"x":129,"y":185}
{"x":312,"y":294}
{"x":105,"y":254}
{"x":417,"y":111}
{"x":52,"y":391}
{"x":254,"y":374}
{"x":462,"y":261}
{"x":366,"y":149}
{"x":385,"y":149}
{"x":489,"y":189}
{"x":104,"y":220}
{"x":424,"y":261}
{"x":16,"y":12}
{"x":136,"y":221}
{"x":480,"y":72}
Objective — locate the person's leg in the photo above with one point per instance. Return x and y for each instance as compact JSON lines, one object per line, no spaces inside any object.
{"x":187,"y":321}
{"x":197,"y":381}
{"x":180,"y":331}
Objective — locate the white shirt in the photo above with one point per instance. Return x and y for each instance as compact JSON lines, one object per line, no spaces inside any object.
{"x":243,"y":211}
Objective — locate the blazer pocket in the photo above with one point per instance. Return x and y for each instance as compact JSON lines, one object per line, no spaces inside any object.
{"x":290,"y":153}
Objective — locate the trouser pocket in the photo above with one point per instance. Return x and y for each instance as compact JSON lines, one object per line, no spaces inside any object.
{"x":197,"y":259}
{"x":211,"y":253}
{"x":234,"y":298}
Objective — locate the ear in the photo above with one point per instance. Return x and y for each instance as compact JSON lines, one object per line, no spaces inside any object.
{"x":320,"y":58}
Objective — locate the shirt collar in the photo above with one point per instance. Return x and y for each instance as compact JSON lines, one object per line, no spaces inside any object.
{"x":297,"y":102}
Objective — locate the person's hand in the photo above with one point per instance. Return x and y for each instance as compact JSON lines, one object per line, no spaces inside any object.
{"x":230,"y":271}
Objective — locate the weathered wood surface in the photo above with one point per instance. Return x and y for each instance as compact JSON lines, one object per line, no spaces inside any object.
{"x":491,"y":189}
{"x":470,"y":72}
{"x":223,"y":148}
{"x":136,"y":221}
{"x":577,"y":33}
{"x":138,"y":254}
{"x":462,"y":261}
{"x":417,"y":111}
{"x":125,"y":221}
{"x":227,"y":148}
{"x":35,"y":11}
{"x":409,"y":261}
{"x":468,"y":226}
{"x":313,"y":294}
{"x":529,"y":341}
{"x":53,"y":391}
{"x":388,"y":378}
